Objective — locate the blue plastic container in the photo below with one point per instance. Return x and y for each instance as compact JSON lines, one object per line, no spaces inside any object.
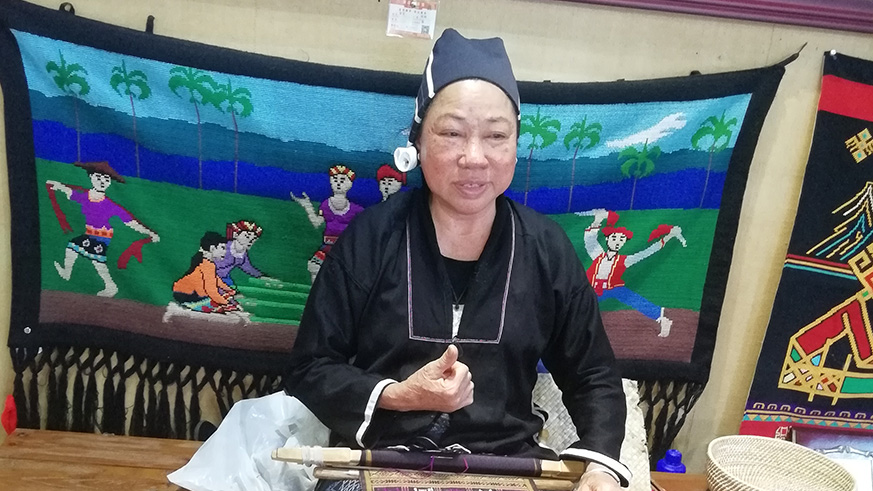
{"x":672,"y":462}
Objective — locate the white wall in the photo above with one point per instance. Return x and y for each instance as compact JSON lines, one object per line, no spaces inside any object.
{"x":558,"y":41}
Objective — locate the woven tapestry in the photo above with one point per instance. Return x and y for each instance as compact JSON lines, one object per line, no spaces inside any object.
{"x":174,"y":201}
{"x":816,"y":363}
{"x":392,"y":480}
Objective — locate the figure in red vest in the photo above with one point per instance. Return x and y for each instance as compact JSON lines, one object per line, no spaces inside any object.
{"x":605,"y":273}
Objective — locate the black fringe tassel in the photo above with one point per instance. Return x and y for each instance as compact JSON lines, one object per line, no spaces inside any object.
{"x":137,"y":418}
{"x":179,"y":419}
{"x":101,"y":406}
{"x":107,"y":421}
{"x":666,"y":404}
{"x":115,"y":425}
{"x":166,"y":402}
{"x":33,"y":392}
{"x":78,"y":423}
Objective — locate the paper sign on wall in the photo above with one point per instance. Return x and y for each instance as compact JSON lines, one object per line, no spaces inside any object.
{"x":408,"y":18}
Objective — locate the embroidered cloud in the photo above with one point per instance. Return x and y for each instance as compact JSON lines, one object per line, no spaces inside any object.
{"x":663,"y":128}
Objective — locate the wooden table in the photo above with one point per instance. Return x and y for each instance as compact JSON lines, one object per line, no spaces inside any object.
{"x":35,"y":460}
{"x":679,"y":482}
{"x":40,"y":459}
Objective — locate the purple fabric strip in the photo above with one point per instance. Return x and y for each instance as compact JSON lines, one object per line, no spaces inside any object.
{"x":459,"y":463}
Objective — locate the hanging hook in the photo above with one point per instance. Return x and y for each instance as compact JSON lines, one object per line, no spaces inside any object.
{"x":68,"y":8}
{"x":150,"y":24}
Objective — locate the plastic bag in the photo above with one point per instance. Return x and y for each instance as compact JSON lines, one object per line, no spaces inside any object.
{"x":237,"y":456}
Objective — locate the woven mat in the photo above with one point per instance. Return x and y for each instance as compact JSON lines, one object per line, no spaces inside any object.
{"x":389,"y":480}
{"x":560,"y":432}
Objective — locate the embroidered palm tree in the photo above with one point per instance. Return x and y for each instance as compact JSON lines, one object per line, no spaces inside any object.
{"x":579,"y":132}
{"x":638,"y":164}
{"x":199,"y":87}
{"x":71,"y":80}
{"x":543,"y":131}
{"x":135,"y":84}
{"x":719,"y":132}
{"x":237,"y":102}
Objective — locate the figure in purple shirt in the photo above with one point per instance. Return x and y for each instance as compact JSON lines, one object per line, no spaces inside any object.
{"x":241,"y":236}
{"x":335,"y":213}
{"x":98,"y":209}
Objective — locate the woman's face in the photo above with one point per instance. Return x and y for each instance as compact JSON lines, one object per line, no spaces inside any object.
{"x":340,"y":184}
{"x":389,"y":186}
{"x":468,"y":146}
{"x":100,"y":181}
{"x":615,"y":241}
{"x":216,"y":252}
{"x":245,"y":238}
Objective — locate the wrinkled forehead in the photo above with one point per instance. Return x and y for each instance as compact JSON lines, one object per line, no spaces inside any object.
{"x":473,"y":93}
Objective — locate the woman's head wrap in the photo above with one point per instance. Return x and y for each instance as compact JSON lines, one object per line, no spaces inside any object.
{"x":341,"y":169}
{"x":243,"y":226}
{"x":455,"y":58}
{"x":386,"y":171}
{"x":100,"y":168}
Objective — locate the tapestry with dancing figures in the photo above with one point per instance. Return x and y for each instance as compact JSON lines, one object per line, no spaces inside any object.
{"x":174,"y":201}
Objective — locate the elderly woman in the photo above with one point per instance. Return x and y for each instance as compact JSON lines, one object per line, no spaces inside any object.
{"x":430,"y":314}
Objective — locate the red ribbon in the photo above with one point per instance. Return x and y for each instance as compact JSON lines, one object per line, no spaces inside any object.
{"x":660,"y":231}
{"x":62,"y":219}
{"x":9,"y":418}
{"x":134,"y":250}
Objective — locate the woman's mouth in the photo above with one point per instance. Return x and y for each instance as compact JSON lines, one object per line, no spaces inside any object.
{"x":470,"y":188}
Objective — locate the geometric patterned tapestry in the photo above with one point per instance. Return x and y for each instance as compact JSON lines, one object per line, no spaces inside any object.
{"x":173,"y":202}
{"x":816,"y":363}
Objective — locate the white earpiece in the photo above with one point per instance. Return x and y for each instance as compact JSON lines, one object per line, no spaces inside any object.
{"x":405,"y":158}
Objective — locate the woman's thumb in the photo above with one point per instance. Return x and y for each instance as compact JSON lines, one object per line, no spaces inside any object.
{"x":449,"y":357}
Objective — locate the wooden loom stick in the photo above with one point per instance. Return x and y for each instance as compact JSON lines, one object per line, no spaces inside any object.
{"x":342,"y":457}
{"x":336,"y":474}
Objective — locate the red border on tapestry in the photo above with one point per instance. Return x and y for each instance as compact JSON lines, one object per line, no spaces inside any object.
{"x":846,"y":98}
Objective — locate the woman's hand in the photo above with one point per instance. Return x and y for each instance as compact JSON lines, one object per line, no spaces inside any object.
{"x":55,"y":185}
{"x":597,"y":481}
{"x":443,"y":385}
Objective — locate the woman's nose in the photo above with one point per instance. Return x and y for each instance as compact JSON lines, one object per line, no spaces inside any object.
{"x":474,"y":153}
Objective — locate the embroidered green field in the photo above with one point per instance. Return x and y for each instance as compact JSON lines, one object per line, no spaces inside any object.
{"x":180,"y":216}
{"x":662,"y":278}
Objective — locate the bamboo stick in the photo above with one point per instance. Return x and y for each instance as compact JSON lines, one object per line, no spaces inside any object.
{"x":347,"y":457}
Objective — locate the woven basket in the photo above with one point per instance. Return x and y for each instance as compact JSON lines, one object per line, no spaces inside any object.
{"x":757,"y":463}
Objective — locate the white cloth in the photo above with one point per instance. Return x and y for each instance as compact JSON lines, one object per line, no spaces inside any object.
{"x":238,"y":456}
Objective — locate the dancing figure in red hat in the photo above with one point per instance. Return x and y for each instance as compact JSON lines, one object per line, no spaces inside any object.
{"x":608,"y":266}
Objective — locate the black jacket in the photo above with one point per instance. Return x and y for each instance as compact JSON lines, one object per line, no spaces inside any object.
{"x":381,"y":307}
